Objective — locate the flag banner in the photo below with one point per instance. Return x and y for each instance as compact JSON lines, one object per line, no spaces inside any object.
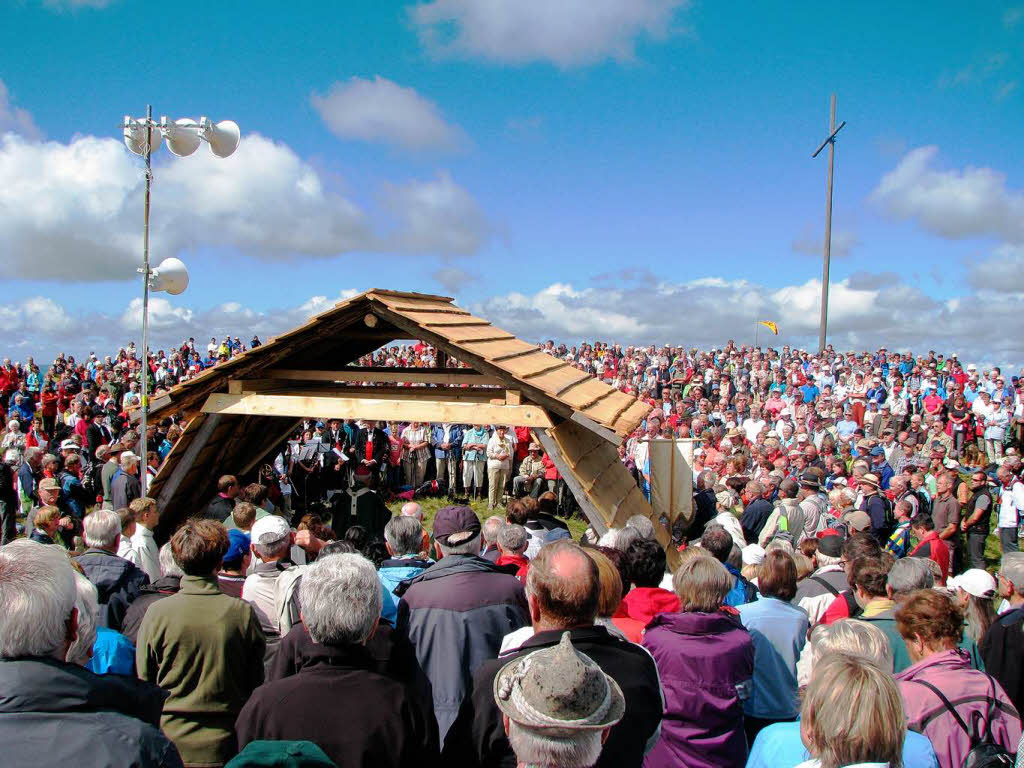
{"x":770,"y":326}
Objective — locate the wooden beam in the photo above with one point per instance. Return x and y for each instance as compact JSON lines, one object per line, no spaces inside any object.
{"x":377,"y":409}
{"x":513,"y":397}
{"x":452,"y":377}
{"x":612,"y":437}
{"x":278,"y":437}
{"x":443,"y":394}
{"x":184,"y":462}
{"x":569,"y":476}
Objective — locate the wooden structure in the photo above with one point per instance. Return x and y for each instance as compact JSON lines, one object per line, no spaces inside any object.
{"x":242,"y":409}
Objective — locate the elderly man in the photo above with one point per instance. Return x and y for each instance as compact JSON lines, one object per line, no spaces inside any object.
{"x":358,"y":717}
{"x":272,"y":586}
{"x":403,"y":536}
{"x":99,"y":720}
{"x":125,"y":487}
{"x":499,"y":463}
{"x":557,"y":707}
{"x":204,"y":648}
{"x":530,"y":478}
{"x":457,"y":610}
{"x":492,"y":527}
{"x":117,"y":581}
{"x":564,"y":592}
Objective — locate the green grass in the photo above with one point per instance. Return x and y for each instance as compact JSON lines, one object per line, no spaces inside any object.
{"x":432,"y":504}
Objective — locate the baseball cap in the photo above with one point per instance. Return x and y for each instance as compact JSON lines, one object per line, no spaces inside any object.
{"x":831,"y":545}
{"x":69,"y":445}
{"x":859,"y":520}
{"x":49,"y":484}
{"x":974,"y":582}
{"x":753,"y":554}
{"x":876,"y":451}
{"x":238,"y":546}
{"x":455,"y":520}
{"x":271,"y":524}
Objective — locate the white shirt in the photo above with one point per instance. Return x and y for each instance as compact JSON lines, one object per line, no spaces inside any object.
{"x":148,"y":553}
{"x":1011,"y":504}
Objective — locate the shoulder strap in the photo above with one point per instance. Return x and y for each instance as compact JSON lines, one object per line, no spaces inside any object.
{"x":826,"y":585}
{"x":946,"y":703}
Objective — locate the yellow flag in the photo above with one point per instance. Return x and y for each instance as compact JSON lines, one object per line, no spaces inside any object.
{"x":770,"y":326}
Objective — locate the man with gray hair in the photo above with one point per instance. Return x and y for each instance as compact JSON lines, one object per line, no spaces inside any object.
{"x":512,"y":541}
{"x":355,"y":715}
{"x":101,"y":720}
{"x":1000,"y":648}
{"x":125,"y":487}
{"x":168,"y":584}
{"x":816,"y":593}
{"x":907,"y":575}
{"x":492,"y":527}
{"x":272,"y":587}
{"x":457,"y":610}
{"x":117,"y":581}
{"x":403,"y":537}
{"x":557,"y":706}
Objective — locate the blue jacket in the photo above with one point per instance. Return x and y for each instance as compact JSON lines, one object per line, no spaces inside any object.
{"x":779,"y":632}
{"x":392,"y":573}
{"x":455,"y":433}
{"x":112,"y":652}
{"x":780,"y":744}
{"x":455,"y":613}
{"x":742,"y":591}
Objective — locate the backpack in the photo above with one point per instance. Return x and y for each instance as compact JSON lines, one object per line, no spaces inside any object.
{"x":984,"y":752}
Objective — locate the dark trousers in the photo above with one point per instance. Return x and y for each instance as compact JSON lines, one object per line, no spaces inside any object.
{"x":8,"y":520}
{"x":1008,"y":539}
{"x":754,"y":725}
{"x":976,"y":549}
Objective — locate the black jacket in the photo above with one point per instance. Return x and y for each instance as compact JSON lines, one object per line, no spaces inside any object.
{"x":1000,"y":650}
{"x":477,"y":737}
{"x":124,"y":490}
{"x":357,"y":716}
{"x":149,"y":594}
{"x":379,"y":451}
{"x":218,"y":509}
{"x":101,"y":720}
{"x":117,"y":581}
{"x":754,"y":517}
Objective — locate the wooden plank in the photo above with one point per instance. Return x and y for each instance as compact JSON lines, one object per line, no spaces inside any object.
{"x":453,"y":377}
{"x":185,"y":459}
{"x":612,"y":437}
{"x":513,"y":397}
{"x":634,"y":414}
{"x":586,"y":394}
{"x":575,"y":442}
{"x":384,"y":295}
{"x":610,"y":487}
{"x":594,"y":515}
{"x":594,"y":463}
{"x":536,"y":363}
{"x":465,"y":333}
{"x":608,"y":408}
{"x":377,"y":409}
{"x":494,"y":350}
{"x":513,"y":355}
{"x":557,"y":381}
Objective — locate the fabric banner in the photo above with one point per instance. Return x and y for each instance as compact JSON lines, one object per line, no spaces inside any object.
{"x":671,"y":463}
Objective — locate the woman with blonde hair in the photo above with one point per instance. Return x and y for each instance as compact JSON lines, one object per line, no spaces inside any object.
{"x":852,"y":714}
{"x":781,"y":744}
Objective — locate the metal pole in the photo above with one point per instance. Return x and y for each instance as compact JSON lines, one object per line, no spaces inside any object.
{"x":145,"y":303}
{"x":828,"y":228}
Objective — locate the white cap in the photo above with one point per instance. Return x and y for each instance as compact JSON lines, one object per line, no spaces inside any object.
{"x":974,"y":582}
{"x":70,"y":445}
{"x":271,"y":524}
{"x":753,"y":554}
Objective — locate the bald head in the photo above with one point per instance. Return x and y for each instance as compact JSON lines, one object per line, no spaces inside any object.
{"x":563,"y":587}
{"x":412,"y":509}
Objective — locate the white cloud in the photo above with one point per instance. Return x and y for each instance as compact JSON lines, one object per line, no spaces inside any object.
{"x":435,"y":216}
{"x":865,"y":312}
{"x":73,"y":211}
{"x":568,"y":32}
{"x":1002,"y":272}
{"x":973,"y":202}
{"x":15,"y":119}
{"x":382,"y":111}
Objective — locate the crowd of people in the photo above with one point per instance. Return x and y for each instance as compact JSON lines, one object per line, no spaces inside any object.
{"x":848,"y":588}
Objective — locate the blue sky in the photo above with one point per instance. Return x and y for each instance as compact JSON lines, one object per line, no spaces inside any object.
{"x":520,"y":148}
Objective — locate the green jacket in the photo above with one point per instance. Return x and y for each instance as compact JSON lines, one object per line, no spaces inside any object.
{"x":206,"y":650}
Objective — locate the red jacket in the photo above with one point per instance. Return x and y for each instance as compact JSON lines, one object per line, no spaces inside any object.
{"x":934,"y":548}
{"x":520,"y":560}
{"x":644,"y":603}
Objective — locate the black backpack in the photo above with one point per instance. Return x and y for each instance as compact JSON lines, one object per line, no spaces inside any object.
{"x":984,"y":752}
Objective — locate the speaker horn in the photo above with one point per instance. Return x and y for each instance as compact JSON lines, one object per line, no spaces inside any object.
{"x":223,"y":137}
{"x":171,"y":276}
{"x":135,"y":136}
{"x":182,"y":136}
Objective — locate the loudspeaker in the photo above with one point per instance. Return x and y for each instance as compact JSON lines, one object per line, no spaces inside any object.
{"x":182,"y":136}
{"x":223,"y":137}
{"x":171,"y":275}
{"x":135,"y":136}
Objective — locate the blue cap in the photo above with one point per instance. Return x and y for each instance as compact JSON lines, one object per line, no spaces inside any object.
{"x":876,"y":451}
{"x":237,"y":548}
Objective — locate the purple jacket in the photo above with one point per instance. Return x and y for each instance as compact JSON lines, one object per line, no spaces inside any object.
{"x":702,"y":658}
{"x":967,"y":689}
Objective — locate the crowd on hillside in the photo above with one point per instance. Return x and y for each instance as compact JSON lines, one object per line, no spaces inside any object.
{"x":847,"y":591}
